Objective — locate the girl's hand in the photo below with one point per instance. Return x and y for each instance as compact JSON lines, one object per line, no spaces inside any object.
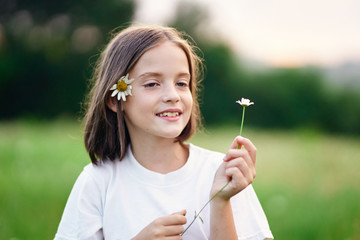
{"x":167,"y":227}
{"x":238,"y":168}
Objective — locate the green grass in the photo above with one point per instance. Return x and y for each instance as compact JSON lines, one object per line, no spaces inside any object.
{"x":307,"y":182}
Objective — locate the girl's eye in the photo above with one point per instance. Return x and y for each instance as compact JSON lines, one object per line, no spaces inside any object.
{"x":153,"y":84}
{"x":182,"y":84}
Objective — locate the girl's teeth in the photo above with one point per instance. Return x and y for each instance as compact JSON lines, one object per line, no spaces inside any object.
{"x":169,"y":114}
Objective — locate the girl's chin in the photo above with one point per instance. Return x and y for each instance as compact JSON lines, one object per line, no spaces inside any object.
{"x":170,"y":135}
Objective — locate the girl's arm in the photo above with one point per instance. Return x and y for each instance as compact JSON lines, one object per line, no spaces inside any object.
{"x":239,"y":169}
{"x":221,"y":220}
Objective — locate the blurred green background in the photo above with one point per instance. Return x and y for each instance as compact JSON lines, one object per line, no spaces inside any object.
{"x":305,"y":125}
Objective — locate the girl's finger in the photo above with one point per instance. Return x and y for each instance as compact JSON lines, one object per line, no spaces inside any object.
{"x":239,"y":153}
{"x":238,"y":180}
{"x":182,"y":212}
{"x":246,"y":167}
{"x":240,"y":175}
{"x":249,"y":146}
{"x":175,"y":219}
{"x":174,"y":230}
{"x":242,"y":155}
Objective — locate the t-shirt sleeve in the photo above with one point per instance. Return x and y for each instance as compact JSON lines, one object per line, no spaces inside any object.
{"x":249,"y":217}
{"x":82,"y":217}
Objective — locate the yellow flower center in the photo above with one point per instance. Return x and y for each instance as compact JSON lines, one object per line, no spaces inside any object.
{"x":121,"y":86}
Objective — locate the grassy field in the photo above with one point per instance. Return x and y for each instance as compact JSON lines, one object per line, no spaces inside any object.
{"x":307,"y":182}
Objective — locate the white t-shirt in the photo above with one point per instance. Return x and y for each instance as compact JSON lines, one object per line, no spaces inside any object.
{"x":117,"y":199}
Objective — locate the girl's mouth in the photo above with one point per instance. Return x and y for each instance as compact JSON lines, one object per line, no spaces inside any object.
{"x":168,"y":114}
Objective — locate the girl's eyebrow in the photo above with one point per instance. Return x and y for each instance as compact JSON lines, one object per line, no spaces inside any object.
{"x":156,"y":74}
{"x":150,"y":74}
{"x":187,"y":75}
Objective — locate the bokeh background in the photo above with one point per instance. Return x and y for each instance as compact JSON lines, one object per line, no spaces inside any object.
{"x":299,"y":61}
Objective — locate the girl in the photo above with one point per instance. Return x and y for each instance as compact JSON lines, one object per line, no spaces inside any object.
{"x":145,"y":182}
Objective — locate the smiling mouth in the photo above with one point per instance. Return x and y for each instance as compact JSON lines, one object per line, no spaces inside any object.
{"x":168,"y":114}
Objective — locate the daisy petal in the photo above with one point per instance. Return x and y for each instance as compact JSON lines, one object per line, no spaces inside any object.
{"x":123,"y":97}
{"x":128,"y":81}
{"x":123,"y":78}
{"x":114,"y":93}
{"x":113,"y":87}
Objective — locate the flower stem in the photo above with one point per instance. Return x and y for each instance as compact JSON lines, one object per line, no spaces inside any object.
{"x":197,"y":215}
{"x":242,"y":124}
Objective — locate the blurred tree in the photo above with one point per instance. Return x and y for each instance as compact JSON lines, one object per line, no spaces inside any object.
{"x":284,"y":98}
{"x":287,"y":97}
{"x":45,"y":50}
{"x":302,"y":98}
{"x":220,"y":90}
{"x":190,"y":17}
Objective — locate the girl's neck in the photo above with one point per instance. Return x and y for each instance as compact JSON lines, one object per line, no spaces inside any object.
{"x":162,"y":156}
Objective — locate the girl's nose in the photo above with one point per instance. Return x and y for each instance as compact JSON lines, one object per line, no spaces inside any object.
{"x":170,"y":94}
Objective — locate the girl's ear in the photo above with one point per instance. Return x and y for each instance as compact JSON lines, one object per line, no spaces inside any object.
{"x":111,"y":104}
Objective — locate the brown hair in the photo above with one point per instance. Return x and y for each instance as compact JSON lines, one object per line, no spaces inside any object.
{"x":106,"y":135}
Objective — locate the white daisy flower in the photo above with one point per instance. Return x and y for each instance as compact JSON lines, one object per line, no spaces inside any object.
{"x":244,"y":102}
{"x":122,"y":88}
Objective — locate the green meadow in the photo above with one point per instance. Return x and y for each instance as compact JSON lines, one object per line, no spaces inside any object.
{"x":308,"y":182}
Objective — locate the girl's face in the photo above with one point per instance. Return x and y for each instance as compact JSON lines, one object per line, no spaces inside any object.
{"x":161,"y":101}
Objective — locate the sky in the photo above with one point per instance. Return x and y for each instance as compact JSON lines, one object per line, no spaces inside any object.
{"x":283,"y":33}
